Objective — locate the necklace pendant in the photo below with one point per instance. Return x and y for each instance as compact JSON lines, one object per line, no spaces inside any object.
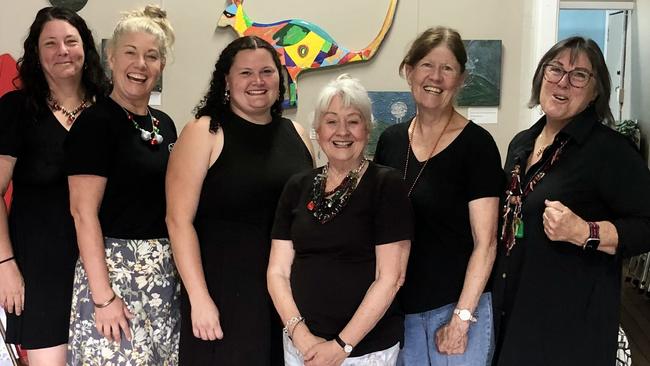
{"x":158,"y":138}
{"x":519,"y":228}
{"x":145,"y":135}
{"x":311,"y":205}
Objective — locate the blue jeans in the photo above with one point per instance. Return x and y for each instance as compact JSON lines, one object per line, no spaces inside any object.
{"x":420,"y":337}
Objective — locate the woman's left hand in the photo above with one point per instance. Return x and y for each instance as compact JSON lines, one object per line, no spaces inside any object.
{"x":451,"y":338}
{"x":325,"y":354}
{"x":561,"y":224}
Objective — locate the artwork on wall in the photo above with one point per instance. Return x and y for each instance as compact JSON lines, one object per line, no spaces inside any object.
{"x":388,"y":108}
{"x":74,"y":5}
{"x":483,"y":82}
{"x":301,"y":45}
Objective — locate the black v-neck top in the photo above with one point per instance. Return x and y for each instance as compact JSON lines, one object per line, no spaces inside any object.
{"x":104,"y":142}
{"x":468,"y":169}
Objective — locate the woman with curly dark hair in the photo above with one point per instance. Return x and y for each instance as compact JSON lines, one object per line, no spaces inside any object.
{"x":224,"y":179}
{"x":60,"y":76}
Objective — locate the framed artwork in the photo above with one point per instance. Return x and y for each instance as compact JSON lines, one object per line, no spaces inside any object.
{"x":482,"y":86}
{"x":388,"y":108}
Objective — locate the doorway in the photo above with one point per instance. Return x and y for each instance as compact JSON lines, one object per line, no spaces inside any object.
{"x":607,"y":24}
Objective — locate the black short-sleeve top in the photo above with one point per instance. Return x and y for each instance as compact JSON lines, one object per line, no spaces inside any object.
{"x":104,"y":142}
{"x":334,"y":263}
{"x":468,"y":169}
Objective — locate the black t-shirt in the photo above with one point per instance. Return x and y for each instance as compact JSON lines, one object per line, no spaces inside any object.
{"x":104,"y":142}
{"x":334,"y":263}
{"x":468,"y":169}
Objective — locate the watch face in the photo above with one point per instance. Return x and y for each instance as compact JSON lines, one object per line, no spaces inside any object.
{"x":464,"y":315}
{"x":347,"y":348}
{"x":592,"y":243}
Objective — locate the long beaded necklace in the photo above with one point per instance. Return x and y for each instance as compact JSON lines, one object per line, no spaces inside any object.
{"x":154,"y":137}
{"x":324,"y":205}
{"x":70,"y":115}
{"x":408,"y":152}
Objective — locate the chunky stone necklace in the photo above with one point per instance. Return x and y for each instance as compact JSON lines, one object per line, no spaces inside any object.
{"x":70,"y":115}
{"x":154,"y":137}
{"x":324,"y":205}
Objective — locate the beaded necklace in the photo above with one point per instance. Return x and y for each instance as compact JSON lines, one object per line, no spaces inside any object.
{"x":70,"y":115}
{"x":324,"y":205}
{"x":154,"y":137}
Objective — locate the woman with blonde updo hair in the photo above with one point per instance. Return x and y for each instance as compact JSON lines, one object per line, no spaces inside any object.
{"x":125,"y":305}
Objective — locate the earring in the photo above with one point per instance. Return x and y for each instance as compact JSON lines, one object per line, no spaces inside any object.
{"x":226,"y":96}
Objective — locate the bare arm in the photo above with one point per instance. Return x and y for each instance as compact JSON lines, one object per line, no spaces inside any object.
{"x":483,"y":215}
{"x":305,"y":138}
{"x":86,"y":193}
{"x":278,"y":275}
{"x":390,"y":273}
{"x":194,"y":152}
{"x":12,"y":287}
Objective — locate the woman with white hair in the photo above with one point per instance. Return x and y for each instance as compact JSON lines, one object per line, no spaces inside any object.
{"x":125,"y":299}
{"x":341,"y":241}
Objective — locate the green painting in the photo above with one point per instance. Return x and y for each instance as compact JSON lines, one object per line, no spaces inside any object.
{"x":482,"y":86}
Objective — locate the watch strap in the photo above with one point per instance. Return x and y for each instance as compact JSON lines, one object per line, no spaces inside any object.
{"x":593,"y":241}
{"x":346,"y":347}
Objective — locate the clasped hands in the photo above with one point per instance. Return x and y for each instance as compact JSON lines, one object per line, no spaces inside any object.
{"x":317,"y":351}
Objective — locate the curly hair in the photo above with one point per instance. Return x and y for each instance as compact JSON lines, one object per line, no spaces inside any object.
{"x":214,"y":104}
{"x":30,"y":72}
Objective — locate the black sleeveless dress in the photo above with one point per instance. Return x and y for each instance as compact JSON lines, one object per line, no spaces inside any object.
{"x":233,"y":222}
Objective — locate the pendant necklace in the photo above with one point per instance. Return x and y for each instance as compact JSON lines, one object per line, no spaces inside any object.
{"x":154,"y":137}
{"x":408,"y":151}
{"x":325,"y":205}
{"x":70,"y":115}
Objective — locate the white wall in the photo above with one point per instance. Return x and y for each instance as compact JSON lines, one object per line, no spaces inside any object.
{"x":639,"y":73}
{"x":352,"y":23}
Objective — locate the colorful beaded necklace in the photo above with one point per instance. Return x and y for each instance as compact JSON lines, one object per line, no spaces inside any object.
{"x":324,"y":205}
{"x":70,"y":115}
{"x":154,"y":137}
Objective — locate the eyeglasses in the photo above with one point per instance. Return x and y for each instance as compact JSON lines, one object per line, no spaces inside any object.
{"x":577,"y":78}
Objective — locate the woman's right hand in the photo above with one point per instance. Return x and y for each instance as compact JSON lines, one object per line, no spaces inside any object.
{"x":303,"y":339}
{"x":205,"y":320}
{"x":113,"y":318}
{"x":12,"y":288}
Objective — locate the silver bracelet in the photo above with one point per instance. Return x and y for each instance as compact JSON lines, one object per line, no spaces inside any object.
{"x":291,"y":324}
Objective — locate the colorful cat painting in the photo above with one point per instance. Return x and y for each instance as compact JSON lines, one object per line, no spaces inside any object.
{"x":300,"y":44}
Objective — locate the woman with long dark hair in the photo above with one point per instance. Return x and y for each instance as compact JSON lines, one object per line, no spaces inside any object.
{"x":60,"y":76}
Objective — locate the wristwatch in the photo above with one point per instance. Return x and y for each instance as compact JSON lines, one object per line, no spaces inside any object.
{"x":347,"y":348}
{"x":465,"y":315}
{"x":593,"y":241}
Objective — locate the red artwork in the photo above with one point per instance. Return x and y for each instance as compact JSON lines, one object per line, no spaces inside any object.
{"x":8,"y":73}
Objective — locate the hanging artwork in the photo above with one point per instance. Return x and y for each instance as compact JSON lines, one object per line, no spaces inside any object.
{"x":300,"y":44}
{"x":74,"y":5}
{"x":388,"y":108}
{"x":482,"y":86}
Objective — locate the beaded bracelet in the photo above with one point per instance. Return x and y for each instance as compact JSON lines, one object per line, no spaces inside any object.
{"x":105,"y":304}
{"x":294,"y":327}
{"x":7,"y":259}
{"x":291,"y":324}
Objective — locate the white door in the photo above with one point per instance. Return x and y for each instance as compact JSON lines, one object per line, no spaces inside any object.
{"x":615,"y":57}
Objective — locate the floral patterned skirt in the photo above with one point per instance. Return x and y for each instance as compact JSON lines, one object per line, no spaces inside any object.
{"x":143,"y":274}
